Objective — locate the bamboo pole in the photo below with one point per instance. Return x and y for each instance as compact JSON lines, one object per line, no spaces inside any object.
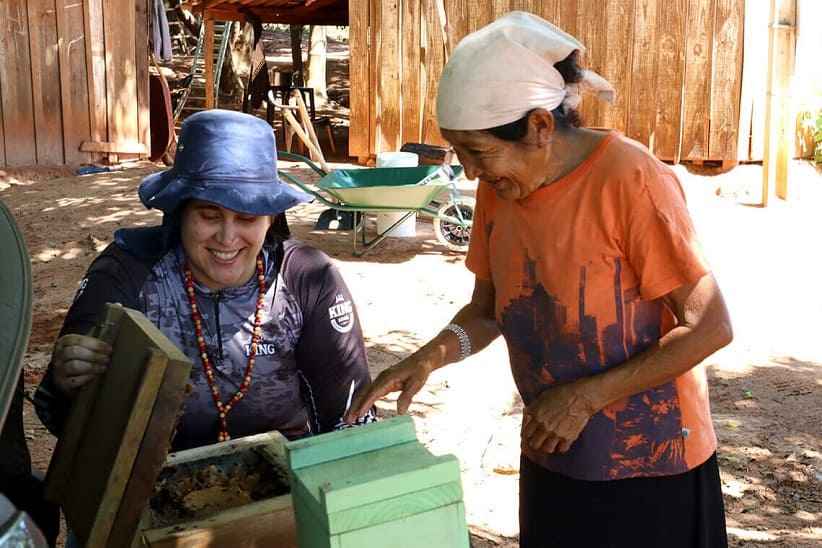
{"x":778,"y":121}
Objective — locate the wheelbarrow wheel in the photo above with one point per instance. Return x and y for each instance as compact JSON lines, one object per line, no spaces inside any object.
{"x":452,"y":235}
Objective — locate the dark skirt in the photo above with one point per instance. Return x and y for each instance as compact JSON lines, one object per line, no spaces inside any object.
{"x":684,"y":511}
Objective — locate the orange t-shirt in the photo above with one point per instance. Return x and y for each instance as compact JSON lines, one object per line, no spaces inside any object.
{"x":579,"y":268}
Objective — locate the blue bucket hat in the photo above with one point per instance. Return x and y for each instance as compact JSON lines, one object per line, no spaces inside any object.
{"x":227,"y":158}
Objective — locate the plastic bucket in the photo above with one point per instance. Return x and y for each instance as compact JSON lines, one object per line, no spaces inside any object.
{"x":408,"y":228}
{"x":397,"y":159}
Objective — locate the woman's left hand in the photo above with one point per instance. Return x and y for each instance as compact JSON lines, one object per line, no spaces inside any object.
{"x":554,"y":420}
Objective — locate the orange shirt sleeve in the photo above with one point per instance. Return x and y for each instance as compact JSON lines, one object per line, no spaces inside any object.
{"x":478,"y":258}
{"x":661,"y":242}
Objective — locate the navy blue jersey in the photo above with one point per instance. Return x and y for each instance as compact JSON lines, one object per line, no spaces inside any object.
{"x":309,"y":356}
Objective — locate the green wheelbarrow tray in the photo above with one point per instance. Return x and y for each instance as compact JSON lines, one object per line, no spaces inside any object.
{"x":386,"y":188}
{"x":411,"y":190}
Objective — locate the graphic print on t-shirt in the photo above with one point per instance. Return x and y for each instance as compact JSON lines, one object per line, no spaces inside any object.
{"x":547,"y":350}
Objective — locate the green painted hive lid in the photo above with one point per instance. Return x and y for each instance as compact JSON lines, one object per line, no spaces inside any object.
{"x":373,"y":473}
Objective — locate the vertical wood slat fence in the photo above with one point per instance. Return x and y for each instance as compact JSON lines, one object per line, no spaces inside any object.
{"x":677,"y":66}
{"x":73,"y":75}
{"x":690,"y":74}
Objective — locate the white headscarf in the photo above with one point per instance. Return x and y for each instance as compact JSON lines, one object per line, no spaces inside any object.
{"x":498,"y":73}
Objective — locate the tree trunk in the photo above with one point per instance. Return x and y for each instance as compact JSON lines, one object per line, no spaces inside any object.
{"x":237,"y":60}
{"x":316,"y":61}
{"x":297,"y":54}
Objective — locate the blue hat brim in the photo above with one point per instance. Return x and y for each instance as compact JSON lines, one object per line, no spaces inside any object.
{"x":167,"y":190}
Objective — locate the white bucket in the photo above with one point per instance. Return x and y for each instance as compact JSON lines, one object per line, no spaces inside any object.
{"x":408,"y":228}
{"x":397,"y":159}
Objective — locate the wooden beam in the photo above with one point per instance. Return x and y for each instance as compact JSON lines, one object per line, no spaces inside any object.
{"x":670,"y":67}
{"x":96,"y":66}
{"x":114,"y":148}
{"x":698,"y":45}
{"x":318,"y":12}
{"x":388,"y":79}
{"x":432,"y":61}
{"x":286,"y":15}
{"x":74,"y":81}
{"x":359,"y":135}
{"x":208,"y":57}
{"x":141,"y":56}
{"x":778,"y":132}
{"x":642,"y":100}
{"x":410,"y":73}
{"x":45,"y":75}
{"x":726,"y":79}
{"x":16,"y":99}
{"x":119,"y":28}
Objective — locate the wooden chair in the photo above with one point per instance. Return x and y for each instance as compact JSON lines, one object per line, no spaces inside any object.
{"x":319,"y":122}
{"x":275,"y":89}
{"x":297,"y":121}
{"x":282,"y":86}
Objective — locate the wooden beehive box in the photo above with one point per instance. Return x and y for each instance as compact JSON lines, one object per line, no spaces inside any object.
{"x":233,"y":493}
{"x":118,"y":431}
{"x":375,"y":485}
{"x":115,"y":480}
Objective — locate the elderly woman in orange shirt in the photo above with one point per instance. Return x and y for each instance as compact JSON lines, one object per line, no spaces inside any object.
{"x":587,"y":263}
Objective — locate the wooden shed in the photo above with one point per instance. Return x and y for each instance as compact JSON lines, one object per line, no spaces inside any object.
{"x":74,"y":76}
{"x":692,"y":76}
{"x":73,"y":80}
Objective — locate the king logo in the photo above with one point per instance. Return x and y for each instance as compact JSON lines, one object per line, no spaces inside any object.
{"x":342,"y":315}
{"x":263,"y":349}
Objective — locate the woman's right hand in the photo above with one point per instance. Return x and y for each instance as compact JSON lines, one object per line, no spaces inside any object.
{"x":410,"y":375}
{"x":407,"y":377}
{"x":77,"y":359}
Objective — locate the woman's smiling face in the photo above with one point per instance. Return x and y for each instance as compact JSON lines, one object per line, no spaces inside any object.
{"x":221,"y":245}
{"x":514,"y":169}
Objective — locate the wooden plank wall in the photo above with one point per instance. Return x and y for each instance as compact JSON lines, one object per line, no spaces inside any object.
{"x":16,"y":94}
{"x":74,"y":72}
{"x":677,"y":66}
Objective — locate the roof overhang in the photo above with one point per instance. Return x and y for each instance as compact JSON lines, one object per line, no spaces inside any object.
{"x":291,"y":12}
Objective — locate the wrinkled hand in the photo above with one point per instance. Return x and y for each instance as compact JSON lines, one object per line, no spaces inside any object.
{"x":77,"y":359}
{"x":553,"y":421}
{"x":407,"y":376}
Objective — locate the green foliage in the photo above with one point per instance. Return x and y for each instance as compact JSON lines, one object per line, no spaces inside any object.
{"x":811,"y":119}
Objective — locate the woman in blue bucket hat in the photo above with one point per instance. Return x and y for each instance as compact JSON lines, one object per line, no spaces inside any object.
{"x":268,"y":323}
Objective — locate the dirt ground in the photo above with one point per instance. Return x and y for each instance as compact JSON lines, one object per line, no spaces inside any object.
{"x":766,"y":387}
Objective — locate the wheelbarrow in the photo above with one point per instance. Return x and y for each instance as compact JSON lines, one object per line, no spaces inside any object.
{"x":410,"y":190}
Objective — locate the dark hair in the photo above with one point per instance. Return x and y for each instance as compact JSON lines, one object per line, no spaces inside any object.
{"x":278,"y":231}
{"x":571,"y":72}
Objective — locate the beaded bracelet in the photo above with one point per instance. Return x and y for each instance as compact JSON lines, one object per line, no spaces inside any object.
{"x":465,"y":342}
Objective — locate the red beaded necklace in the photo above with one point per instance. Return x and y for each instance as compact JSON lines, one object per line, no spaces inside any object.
{"x":223,"y":409}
